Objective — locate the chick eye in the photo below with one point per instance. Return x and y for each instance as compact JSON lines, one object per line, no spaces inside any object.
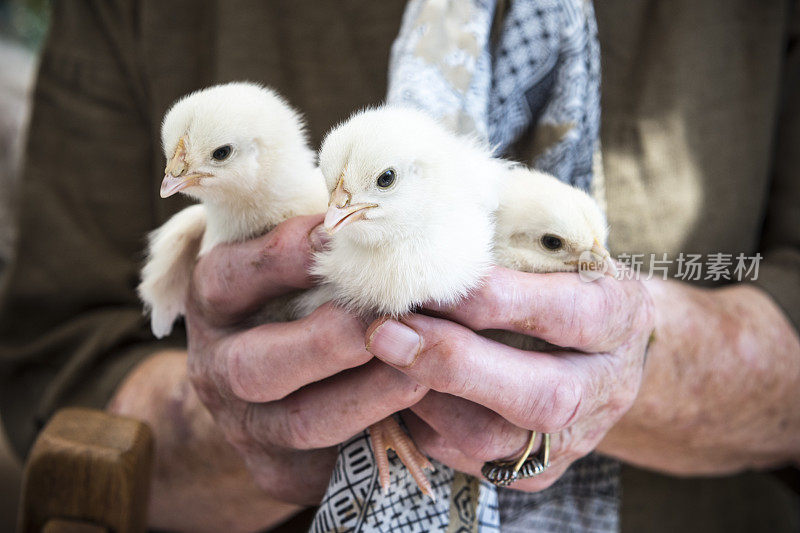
{"x":222,"y":153}
{"x":551,"y":242}
{"x":386,"y":179}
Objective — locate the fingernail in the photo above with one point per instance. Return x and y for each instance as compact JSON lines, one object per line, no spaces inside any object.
{"x":394,"y":343}
{"x":318,"y":238}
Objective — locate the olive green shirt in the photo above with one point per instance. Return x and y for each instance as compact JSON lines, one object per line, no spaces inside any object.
{"x":700,"y":135}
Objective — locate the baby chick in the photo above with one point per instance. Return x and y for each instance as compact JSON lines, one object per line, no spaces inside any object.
{"x":545,"y":225}
{"x":240,"y":150}
{"x":411,"y":220}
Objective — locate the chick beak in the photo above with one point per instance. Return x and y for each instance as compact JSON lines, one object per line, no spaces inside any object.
{"x":600,"y":251}
{"x":176,"y":176}
{"x":340,"y":211}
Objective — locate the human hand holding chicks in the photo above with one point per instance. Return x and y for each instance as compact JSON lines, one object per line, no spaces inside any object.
{"x":485,"y":395}
{"x":286,"y":392}
{"x":321,"y":386}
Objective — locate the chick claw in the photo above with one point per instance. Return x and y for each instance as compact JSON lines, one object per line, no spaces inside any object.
{"x":388,"y":434}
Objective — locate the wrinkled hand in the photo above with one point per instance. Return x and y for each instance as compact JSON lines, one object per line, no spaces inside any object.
{"x":282,"y":392}
{"x":486,"y":396}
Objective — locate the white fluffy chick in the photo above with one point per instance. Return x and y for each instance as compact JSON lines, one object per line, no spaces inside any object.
{"x":242,"y":151}
{"x":410,"y":213}
{"x":544,"y":225}
{"x":411,"y":218}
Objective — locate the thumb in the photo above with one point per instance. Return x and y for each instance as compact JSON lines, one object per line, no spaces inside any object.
{"x":236,"y":278}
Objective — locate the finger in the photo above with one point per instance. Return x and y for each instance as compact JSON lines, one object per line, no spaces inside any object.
{"x":234,"y":279}
{"x":542,"y":392}
{"x":267,"y":362}
{"x":330,"y":412}
{"x":477,"y":432}
{"x":556,"y":307}
{"x":438,"y":447}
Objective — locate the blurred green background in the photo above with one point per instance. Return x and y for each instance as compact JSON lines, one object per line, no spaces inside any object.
{"x":24,"y":21}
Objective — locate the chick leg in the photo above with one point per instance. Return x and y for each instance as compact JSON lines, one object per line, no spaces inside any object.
{"x":387,"y":434}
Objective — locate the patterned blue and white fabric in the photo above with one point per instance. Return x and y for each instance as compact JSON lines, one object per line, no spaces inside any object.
{"x":354,"y":501}
{"x":546,"y":77}
{"x":506,"y":72}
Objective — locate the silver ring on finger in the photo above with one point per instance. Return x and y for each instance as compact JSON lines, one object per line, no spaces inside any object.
{"x":527,"y":465}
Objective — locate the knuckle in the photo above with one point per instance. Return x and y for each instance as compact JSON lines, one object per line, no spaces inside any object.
{"x":408,"y":392}
{"x":297,"y":432}
{"x":494,"y":295}
{"x":568,"y":445}
{"x":343,"y":356}
{"x":275,"y":246}
{"x":490,"y":443}
{"x":565,"y":404}
{"x":213,"y":292}
{"x":628,"y":310}
{"x":277,"y":241}
{"x":242,"y":379}
{"x":333,"y":336}
{"x":238,"y":380}
{"x":448,"y":377}
{"x":555,"y":411}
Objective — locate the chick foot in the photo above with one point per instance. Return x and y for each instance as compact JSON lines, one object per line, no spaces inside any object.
{"x":388,"y":434}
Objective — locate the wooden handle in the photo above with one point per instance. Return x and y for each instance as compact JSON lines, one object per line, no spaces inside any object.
{"x":88,"y":469}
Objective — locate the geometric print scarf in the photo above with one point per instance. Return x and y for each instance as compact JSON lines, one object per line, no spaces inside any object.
{"x":510,"y":73}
